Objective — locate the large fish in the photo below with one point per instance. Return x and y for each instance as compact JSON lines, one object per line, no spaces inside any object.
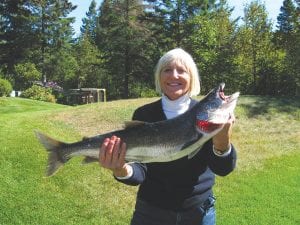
{"x":153,"y":142}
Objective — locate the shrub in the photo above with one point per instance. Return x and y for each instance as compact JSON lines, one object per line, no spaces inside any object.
{"x":5,"y":87}
{"x":25,"y":74}
{"x":39,"y":93}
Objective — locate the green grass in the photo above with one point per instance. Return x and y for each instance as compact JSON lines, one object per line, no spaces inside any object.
{"x":264,"y":189}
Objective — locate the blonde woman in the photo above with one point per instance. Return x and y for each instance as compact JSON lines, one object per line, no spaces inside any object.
{"x":180,"y":191}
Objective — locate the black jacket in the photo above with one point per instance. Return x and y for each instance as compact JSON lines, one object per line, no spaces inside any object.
{"x":179,"y":184}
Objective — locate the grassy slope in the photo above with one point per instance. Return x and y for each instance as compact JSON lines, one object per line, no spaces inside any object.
{"x":262,"y":190}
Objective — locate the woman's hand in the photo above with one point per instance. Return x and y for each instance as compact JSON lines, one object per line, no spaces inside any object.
{"x":112,"y":156}
{"x":221,"y":140}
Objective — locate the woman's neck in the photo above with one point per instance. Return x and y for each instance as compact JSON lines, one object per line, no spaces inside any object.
{"x":173,"y":108}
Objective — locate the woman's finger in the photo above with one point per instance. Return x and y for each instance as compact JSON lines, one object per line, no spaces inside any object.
{"x":102,"y":151}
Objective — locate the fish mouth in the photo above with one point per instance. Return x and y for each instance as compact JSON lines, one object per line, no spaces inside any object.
{"x":227,"y":98}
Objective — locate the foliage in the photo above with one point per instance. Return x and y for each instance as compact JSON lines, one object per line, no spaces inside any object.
{"x":90,"y":72}
{"x":121,"y":42}
{"x":122,"y":35}
{"x":89,"y":23}
{"x":25,"y":74}
{"x":212,"y":45}
{"x":257,"y":54}
{"x":288,"y":39}
{"x":36,"y":34}
{"x":5,"y":87}
{"x":38,"y":93}
{"x":16,"y":34}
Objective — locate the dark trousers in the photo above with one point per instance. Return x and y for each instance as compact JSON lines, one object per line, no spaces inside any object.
{"x":146,"y":214}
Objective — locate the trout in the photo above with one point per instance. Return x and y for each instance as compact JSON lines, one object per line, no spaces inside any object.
{"x":161,"y":141}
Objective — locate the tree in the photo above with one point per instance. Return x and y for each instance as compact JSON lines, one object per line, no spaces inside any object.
{"x":173,"y":17}
{"x":25,"y":75}
{"x":89,"y":23}
{"x":211,"y":44}
{"x":16,"y":34}
{"x":254,"y":42}
{"x":34,"y":31}
{"x":288,"y":40}
{"x":123,"y":38}
{"x":54,"y":32}
{"x":89,"y":72}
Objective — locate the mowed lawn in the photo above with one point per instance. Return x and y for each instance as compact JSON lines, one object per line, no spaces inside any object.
{"x":264,"y":188}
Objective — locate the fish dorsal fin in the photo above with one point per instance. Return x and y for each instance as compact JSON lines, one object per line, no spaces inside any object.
{"x":89,"y":160}
{"x":134,"y":123}
{"x":85,"y":138}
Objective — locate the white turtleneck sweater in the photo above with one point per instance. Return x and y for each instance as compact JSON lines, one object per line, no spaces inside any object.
{"x":175,"y":107}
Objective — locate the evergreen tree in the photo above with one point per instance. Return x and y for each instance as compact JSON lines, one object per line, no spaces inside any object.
{"x":173,"y":17}
{"x":89,"y":23}
{"x":55,"y":35}
{"x":288,"y":39}
{"x":90,"y":61}
{"x":16,"y":35}
{"x":123,"y":38}
{"x":285,"y":18}
{"x":35,"y":32}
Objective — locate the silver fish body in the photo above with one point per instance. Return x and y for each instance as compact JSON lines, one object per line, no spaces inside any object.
{"x":161,"y":141}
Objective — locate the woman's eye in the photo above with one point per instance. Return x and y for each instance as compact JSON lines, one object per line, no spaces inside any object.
{"x":180,"y":71}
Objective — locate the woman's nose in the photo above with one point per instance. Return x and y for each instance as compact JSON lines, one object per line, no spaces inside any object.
{"x":175,"y":73}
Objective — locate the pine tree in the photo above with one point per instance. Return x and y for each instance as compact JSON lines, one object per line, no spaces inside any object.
{"x":55,"y":34}
{"x":123,"y":38}
{"x":174,"y":17}
{"x":16,"y":35}
{"x":288,"y":39}
{"x":89,"y":60}
{"x":285,"y":18}
{"x":89,"y":23}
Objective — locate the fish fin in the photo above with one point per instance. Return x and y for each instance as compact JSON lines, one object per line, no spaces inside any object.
{"x":88,"y":159}
{"x":85,"y":138}
{"x":192,"y":154}
{"x":55,"y":159}
{"x":134,"y":123}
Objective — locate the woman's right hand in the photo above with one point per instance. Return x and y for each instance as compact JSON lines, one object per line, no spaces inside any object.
{"x":112,"y":156}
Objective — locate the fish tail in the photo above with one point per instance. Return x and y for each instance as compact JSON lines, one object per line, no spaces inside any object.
{"x":55,"y":156}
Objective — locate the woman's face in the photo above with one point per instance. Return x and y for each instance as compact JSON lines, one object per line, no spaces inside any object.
{"x":174,"y":80}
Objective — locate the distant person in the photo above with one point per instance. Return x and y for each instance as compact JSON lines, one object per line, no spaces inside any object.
{"x":180,"y":191}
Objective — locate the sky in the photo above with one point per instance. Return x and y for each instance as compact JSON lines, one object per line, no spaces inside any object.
{"x":272,"y":7}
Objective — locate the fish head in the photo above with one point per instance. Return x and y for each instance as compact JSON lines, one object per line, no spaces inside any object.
{"x":215,"y":110}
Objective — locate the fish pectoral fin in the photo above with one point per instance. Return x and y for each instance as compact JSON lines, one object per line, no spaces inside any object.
{"x":85,"y":138}
{"x":192,"y":154}
{"x":88,"y":159}
{"x":134,"y":123}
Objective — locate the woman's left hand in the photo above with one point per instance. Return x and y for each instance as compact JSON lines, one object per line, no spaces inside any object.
{"x":221,"y":141}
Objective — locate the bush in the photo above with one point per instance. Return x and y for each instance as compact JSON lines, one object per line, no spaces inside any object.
{"x":5,"y":87}
{"x":39,"y":93}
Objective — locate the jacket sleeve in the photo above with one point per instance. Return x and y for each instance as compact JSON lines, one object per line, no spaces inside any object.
{"x":221,"y":166}
{"x":138,"y":175}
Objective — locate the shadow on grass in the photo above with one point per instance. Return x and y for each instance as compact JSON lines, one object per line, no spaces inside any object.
{"x":260,"y":105}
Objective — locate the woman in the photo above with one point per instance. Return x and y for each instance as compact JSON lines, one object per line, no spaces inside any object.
{"x":180,"y":191}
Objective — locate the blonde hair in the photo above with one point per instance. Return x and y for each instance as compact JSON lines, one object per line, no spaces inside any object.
{"x":180,"y":56}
